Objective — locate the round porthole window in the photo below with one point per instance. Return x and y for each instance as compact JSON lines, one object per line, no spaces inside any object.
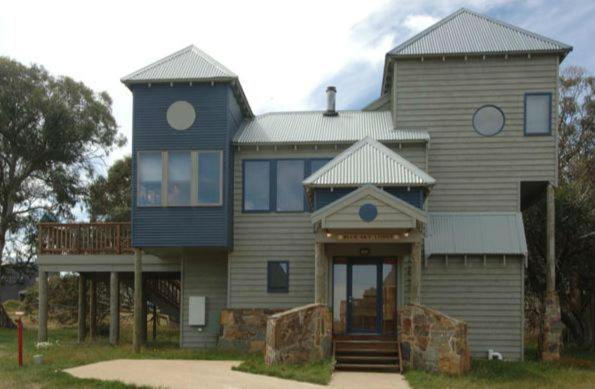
{"x":368,"y":212}
{"x":488,"y":120}
{"x":181,"y":115}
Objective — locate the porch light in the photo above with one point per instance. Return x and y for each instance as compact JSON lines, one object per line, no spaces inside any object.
{"x":406,"y":235}
{"x":396,"y":236}
{"x":340,"y":237}
{"x":329,"y":235}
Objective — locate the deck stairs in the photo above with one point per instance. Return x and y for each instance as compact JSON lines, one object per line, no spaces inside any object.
{"x":165,"y":294}
{"x":367,"y":353}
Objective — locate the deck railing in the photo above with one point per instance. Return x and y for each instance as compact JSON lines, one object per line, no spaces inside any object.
{"x":84,"y":238}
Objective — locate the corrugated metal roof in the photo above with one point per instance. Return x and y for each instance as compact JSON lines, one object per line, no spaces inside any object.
{"x":368,"y":162}
{"x":467,"y":32}
{"x":475,"y":233}
{"x":313,"y":127}
{"x":188,"y":64}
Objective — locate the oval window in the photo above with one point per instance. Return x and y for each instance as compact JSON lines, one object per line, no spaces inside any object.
{"x":488,"y":120}
{"x":181,"y":115}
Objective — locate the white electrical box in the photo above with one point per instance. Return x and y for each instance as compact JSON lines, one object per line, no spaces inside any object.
{"x":197,"y":310}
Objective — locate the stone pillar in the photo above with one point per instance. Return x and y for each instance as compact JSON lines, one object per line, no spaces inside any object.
{"x":320,"y":274}
{"x":550,"y":339}
{"x":42,"y":333}
{"x":114,"y":308}
{"x":138,"y":301}
{"x":92,"y":308}
{"x":416,"y":273}
{"x":82,"y":308}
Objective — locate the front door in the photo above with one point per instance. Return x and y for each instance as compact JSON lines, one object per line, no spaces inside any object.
{"x":364,"y":296}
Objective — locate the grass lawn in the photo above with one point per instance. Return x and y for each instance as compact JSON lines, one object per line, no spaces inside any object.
{"x":316,"y":372}
{"x":576,"y":369}
{"x":65,"y":353}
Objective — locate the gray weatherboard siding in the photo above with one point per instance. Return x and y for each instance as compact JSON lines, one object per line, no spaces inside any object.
{"x":218,"y":117}
{"x":203,"y":275}
{"x":475,"y":172}
{"x":272,"y":236}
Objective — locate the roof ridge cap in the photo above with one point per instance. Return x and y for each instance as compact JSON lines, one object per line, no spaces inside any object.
{"x":157,"y":62}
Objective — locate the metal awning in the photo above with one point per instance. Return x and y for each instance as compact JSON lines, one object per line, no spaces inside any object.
{"x":480,"y":233}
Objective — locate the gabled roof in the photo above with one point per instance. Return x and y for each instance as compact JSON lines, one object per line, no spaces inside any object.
{"x":369,"y":191}
{"x":475,"y":233}
{"x":468,"y":32}
{"x":313,"y":127}
{"x":189,"y":65}
{"x":368,"y":162}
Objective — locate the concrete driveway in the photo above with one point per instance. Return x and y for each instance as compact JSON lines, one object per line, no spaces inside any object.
{"x":180,"y":374}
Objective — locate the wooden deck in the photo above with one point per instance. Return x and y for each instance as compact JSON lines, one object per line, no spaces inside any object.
{"x":84,"y":238}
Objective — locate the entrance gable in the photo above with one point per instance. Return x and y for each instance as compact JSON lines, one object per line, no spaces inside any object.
{"x":369,"y":208}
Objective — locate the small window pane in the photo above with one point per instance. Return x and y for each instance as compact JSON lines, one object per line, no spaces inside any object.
{"x":537,"y":114}
{"x":316,"y":164}
{"x":290,"y":192}
{"x":278,"y":276}
{"x":179,"y":178}
{"x":209,"y":177}
{"x":150,"y":174}
{"x":256,"y":185}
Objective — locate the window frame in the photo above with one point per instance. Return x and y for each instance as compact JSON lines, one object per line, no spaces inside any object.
{"x":270,"y":289}
{"x":196,"y":165}
{"x":550,"y":97}
{"x":194,"y":179}
{"x":488,"y":106}
{"x":163,"y":178}
{"x":273,"y":182}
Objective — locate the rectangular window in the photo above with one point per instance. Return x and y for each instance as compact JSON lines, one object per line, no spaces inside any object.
{"x":538,"y":111}
{"x":150,"y":175}
{"x":179,"y":177}
{"x":257,"y":176}
{"x":209,"y":177}
{"x":290,"y":192}
{"x":278,"y":276}
{"x":316,"y":164}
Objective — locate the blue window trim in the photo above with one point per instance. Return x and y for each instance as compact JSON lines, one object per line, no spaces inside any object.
{"x":273,"y":183}
{"x":270,"y":289}
{"x":493,"y":106}
{"x":549,"y":95}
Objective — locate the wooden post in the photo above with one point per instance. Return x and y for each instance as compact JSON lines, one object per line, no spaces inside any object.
{"x":42,"y":334}
{"x":320,"y":267}
{"x":155,"y":319}
{"x":551,"y":240}
{"x":114,"y":307}
{"x":145,"y":316}
{"x":92,"y":308}
{"x":82,"y":308}
{"x":138,"y":301}
{"x":416,"y":272}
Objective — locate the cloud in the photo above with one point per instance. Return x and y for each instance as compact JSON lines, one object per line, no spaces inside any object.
{"x":284,"y":52}
{"x":417,"y":23}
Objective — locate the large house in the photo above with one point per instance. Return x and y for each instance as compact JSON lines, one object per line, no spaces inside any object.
{"x":415,"y":198}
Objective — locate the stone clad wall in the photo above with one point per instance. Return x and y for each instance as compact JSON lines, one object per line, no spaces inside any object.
{"x":432,"y":341}
{"x":244,"y":329}
{"x":299,"y":335}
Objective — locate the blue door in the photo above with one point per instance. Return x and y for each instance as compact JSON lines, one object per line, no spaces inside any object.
{"x":364,"y":296}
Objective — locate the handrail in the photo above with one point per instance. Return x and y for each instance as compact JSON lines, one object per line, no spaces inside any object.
{"x":84,"y":238}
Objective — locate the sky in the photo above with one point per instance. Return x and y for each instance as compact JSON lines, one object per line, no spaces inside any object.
{"x":285,"y":52}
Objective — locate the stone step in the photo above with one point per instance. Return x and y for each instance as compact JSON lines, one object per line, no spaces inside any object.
{"x":394,"y":368}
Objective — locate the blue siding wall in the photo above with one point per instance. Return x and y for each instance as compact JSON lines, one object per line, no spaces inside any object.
{"x":218,"y":117}
{"x":323,"y":197}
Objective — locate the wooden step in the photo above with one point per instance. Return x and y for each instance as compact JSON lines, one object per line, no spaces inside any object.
{"x":367,"y":358}
{"x":365,"y":345}
{"x":368,"y":367}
